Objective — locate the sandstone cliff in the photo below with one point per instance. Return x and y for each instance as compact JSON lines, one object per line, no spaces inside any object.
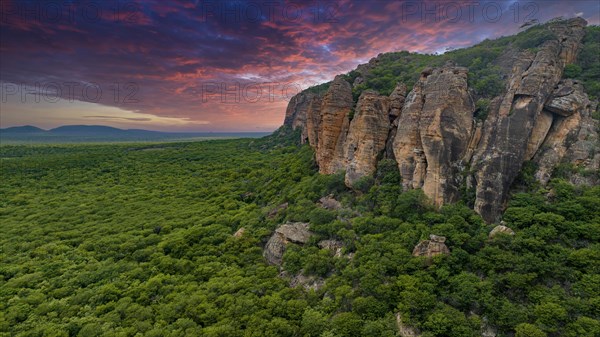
{"x":434,"y":132}
{"x":333,"y":127}
{"x":508,"y":134}
{"x":367,"y":136}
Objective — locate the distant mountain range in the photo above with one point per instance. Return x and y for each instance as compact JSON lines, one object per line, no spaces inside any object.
{"x":100,"y":133}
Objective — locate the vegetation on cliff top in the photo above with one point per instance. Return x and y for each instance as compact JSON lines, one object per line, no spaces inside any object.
{"x":486,"y":77}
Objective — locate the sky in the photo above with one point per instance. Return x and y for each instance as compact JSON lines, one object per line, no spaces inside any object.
{"x":194,"y":65}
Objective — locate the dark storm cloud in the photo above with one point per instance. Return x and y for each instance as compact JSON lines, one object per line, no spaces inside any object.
{"x":173,"y":58}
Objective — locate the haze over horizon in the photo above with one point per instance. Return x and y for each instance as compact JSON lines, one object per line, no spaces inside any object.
{"x":218,"y":66}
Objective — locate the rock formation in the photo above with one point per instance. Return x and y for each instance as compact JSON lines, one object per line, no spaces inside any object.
{"x":307,"y":282}
{"x":501,"y":229}
{"x":277,"y":210}
{"x":509,"y":133}
{"x":296,"y":112}
{"x":334,"y":246}
{"x":330,"y":203}
{"x":367,"y":136}
{"x":434,"y":130}
{"x":437,"y":143}
{"x":573,"y":134}
{"x":432,"y":247}
{"x":240,"y":232}
{"x":294,"y":232}
{"x":335,"y":120}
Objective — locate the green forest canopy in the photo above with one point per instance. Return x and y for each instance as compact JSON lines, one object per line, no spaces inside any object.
{"x":136,"y":240}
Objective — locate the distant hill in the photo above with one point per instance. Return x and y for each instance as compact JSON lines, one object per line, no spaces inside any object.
{"x":101,"y":133}
{"x":22,"y":129}
{"x":86,"y":129}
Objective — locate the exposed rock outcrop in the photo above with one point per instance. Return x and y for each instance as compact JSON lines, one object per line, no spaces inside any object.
{"x":488,"y":330}
{"x":330,"y":203}
{"x":434,"y":130}
{"x":335,"y":121}
{"x":568,"y":98}
{"x":296,"y":112}
{"x":240,"y":232}
{"x":333,"y":245}
{"x":501,"y":229}
{"x":573,"y":136}
{"x":367,"y":136}
{"x":294,"y":232}
{"x":438,"y":144}
{"x":397,"y":98}
{"x":432,"y":247}
{"x":307,"y":282}
{"x":508,"y":132}
{"x":313,"y":121}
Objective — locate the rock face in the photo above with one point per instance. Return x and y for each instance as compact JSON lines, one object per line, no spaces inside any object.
{"x":397,"y":98}
{"x":296,"y":112}
{"x":507,"y":135}
{"x":573,"y":135}
{"x":294,"y":232}
{"x":367,"y":136}
{"x":434,"y":130}
{"x":313,"y":121}
{"x":335,"y":120}
{"x":439,"y":146}
{"x":432,"y":247}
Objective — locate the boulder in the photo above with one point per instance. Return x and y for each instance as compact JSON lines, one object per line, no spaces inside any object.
{"x":432,"y":247}
{"x":567,"y":99}
{"x":330,"y":203}
{"x":274,"y":249}
{"x":501,"y":229}
{"x":292,"y":232}
{"x":240,"y":232}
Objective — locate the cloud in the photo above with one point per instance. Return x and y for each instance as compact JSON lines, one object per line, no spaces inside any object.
{"x":159,"y":58}
{"x":135,"y":119}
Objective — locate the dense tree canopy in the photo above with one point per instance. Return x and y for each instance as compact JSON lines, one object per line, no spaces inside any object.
{"x":137,"y":240}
